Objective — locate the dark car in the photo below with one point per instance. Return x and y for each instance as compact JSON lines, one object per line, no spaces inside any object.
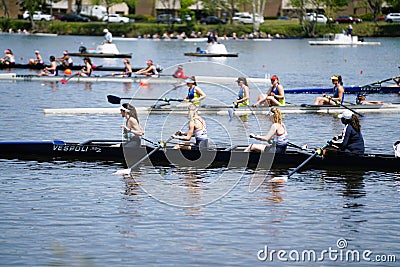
{"x":168,"y":18}
{"x":347,"y":19}
{"x":74,"y":17}
{"x":212,"y":20}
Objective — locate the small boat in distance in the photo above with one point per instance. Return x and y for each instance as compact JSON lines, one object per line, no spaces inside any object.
{"x":103,"y":50}
{"x":341,"y":39}
{"x":213,"y":50}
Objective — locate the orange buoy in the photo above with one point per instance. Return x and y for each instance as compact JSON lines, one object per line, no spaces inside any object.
{"x":67,"y":72}
{"x":144,"y":82}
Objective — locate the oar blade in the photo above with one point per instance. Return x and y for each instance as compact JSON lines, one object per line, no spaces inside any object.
{"x":113,"y":99}
{"x":123,"y":172}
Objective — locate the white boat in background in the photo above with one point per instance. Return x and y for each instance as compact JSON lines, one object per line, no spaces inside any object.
{"x":105,"y":49}
{"x":341,"y":39}
{"x":213,"y":50}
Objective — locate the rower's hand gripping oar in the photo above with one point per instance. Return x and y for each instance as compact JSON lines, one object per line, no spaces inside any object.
{"x":129,"y":170}
{"x":340,"y":104}
{"x":117,"y":100}
{"x":317,"y":152}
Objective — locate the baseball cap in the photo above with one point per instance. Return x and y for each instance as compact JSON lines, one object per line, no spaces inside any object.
{"x":188,"y":80}
{"x":65,"y":52}
{"x":334,"y":77}
{"x":7,"y":51}
{"x":274,"y":78}
{"x":105,"y":30}
{"x":36,"y":51}
{"x":346,"y":115}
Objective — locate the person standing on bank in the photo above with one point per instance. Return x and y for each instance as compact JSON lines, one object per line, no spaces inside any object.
{"x":275,"y":96}
{"x":351,"y":139}
{"x":244,"y":93}
{"x":131,"y":129}
{"x":277,"y":134}
{"x":107,"y":36}
{"x":338,"y":93}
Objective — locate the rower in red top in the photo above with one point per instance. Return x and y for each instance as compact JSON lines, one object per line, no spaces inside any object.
{"x":338,"y":93}
{"x":179,"y":73}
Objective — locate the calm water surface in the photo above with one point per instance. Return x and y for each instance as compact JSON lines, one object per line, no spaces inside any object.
{"x":79,"y":214}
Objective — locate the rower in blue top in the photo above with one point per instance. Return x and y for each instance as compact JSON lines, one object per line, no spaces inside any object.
{"x":338,"y":93}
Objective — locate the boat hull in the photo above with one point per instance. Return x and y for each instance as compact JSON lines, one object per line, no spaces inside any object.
{"x":61,"y":67}
{"x":115,"y":152}
{"x":103,"y":55}
{"x":226,"y":110}
{"x":211,"y":55}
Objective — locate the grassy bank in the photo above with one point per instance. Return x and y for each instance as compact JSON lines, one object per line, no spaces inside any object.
{"x":288,"y":29}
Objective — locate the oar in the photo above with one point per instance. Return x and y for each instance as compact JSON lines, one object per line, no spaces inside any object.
{"x":159,"y":146}
{"x":340,"y":104}
{"x":117,"y":100}
{"x":317,"y":152}
{"x":378,"y":82}
{"x":64,"y":81}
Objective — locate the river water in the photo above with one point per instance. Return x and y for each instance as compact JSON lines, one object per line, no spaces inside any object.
{"x":79,"y":214}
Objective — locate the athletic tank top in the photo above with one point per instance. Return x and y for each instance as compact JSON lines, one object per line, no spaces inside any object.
{"x":276,"y":91}
{"x":200,"y":134}
{"x":193,"y":94}
{"x":281,"y":139}
{"x":241,"y":95}
{"x":336,"y":94}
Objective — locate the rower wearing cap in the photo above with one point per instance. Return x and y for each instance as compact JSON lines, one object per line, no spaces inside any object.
{"x":351,"y":139}
{"x":275,"y":95}
{"x":197,"y":129}
{"x":107,"y":36}
{"x":338,"y":93}
{"x":131,"y":129}
{"x":9,"y":58}
{"x":150,"y":70}
{"x":277,"y":135}
{"x":244,"y":93}
{"x":127,"y":70}
{"x":38,"y":61}
{"x":195,"y":94}
{"x":65,"y":60}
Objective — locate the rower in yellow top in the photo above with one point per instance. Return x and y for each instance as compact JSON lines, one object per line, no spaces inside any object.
{"x":275,"y":95}
{"x":195,"y":94}
{"x":244,"y":93}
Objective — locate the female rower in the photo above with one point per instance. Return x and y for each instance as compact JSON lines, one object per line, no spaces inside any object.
{"x":179,"y":73}
{"x":338,"y":93}
{"x":244,"y":93}
{"x":38,"y":61}
{"x":277,"y":134}
{"x":351,"y":139}
{"x":275,"y":95}
{"x":87,"y":69}
{"x":65,"y":60}
{"x":197,"y":129}
{"x":132,"y":129}
{"x":361,"y":100}
{"x":9,"y":58}
{"x":150,"y":70}
{"x":195,"y":94}
{"x":51,"y":70}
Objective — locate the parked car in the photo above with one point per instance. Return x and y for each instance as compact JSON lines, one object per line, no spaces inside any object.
{"x":347,"y":19}
{"x":74,"y":17}
{"x":392,"y":17}
{"x":283,"y":18}
{"x":37,"y":15}
{"x":116,"y":18}
{"x":237,"y":15}
{"x":312,"y":17}
{"x":248,"y":19}
{"x":212,"y":20}
{"x":168,"y":18}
